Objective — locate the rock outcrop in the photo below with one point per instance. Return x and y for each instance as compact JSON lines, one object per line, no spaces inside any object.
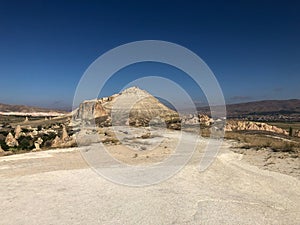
{"x":11,"y":141}
{"x":64,"y":135}
{"x":191,"y":119}
{"x":194,"y":119}
{"x":205,"y":120}
{"x":133,"y":106}
{"x":4,"y":153}
{"x":37,"y":144}
{"x":234,"y":125}
{"x":18,"y":131}
{"x":56,"y":142}
{"x":1,"y":151}
{"x":59,"y":143}
{"x":64,"y":141}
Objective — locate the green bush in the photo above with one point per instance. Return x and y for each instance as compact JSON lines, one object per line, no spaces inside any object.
{"x":4,"y":146}
{"x":25,"y":130}
{"x":47,"y":144}
{"x":25,"y":143}
{"x":47,"y":139}
{"x":4,"y":133}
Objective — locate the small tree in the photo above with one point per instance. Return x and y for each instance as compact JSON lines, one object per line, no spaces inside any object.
{"x":291,"y":132}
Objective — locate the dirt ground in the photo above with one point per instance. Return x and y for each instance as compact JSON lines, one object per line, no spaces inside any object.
{"x":266,"y":159}
{"x":59,"y":187}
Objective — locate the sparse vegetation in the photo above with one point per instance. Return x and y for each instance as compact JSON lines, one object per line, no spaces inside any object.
{"x":4,"y":146}
{"x":111,"y":140}
{"x":258,"y":140}
{"x":34,"y":128}
{"x":25,"y":143}
{"x":286,"y":125}
{"x":47,"y":139}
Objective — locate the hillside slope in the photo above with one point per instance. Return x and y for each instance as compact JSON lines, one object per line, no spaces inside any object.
{"x":23,"y":110}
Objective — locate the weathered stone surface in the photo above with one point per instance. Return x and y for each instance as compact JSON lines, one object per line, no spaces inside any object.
{"x":249,"y":125}
{"x":11,"y":141}
{"x":18,"y":131}
{"x":133,"y":106}
{"x":56,"y":142}
{"x":64,"y":141}
{"x":195,"y":119}
{"x":1,"y":151}
{"x":65,"y":135}
{"x":37,"y":144}
{"x":190,"y":119}
{"x":205,"y":119}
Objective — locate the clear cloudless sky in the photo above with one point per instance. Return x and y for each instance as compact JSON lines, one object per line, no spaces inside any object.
{"x":253,"y":47}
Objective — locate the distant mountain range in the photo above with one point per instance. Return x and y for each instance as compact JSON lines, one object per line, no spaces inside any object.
{"x":265,"y":107}
{"x":257,"y":109}
{"x":267,"y":110}
{"x":23,"y":110}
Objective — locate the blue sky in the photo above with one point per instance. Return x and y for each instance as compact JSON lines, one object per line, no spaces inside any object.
{"x":253,"y":47}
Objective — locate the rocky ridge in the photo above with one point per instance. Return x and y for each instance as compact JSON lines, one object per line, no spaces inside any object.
{"x":234,"y":125}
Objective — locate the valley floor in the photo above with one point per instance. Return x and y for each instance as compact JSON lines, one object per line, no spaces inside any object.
{"x":58,"y":187}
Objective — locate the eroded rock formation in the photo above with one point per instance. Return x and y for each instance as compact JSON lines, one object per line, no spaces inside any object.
{"x":65,"y":135}
{"x":1,"y":151}
{"x":64,"y":141}
{"x":249,"y":125}
{"x":11,"y":141}
{"x":133,"y":106}
{"x":18,"y":131}
{"x":38,"y":143}
{"x":205,"y":119}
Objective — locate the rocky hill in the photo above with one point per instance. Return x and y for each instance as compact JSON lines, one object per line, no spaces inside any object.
{"x":267,"y":110}
{"x":133,"y":106}
{"x":265,"y":107}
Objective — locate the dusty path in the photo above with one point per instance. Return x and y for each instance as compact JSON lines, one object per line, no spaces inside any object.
{"x":57,"y":187}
